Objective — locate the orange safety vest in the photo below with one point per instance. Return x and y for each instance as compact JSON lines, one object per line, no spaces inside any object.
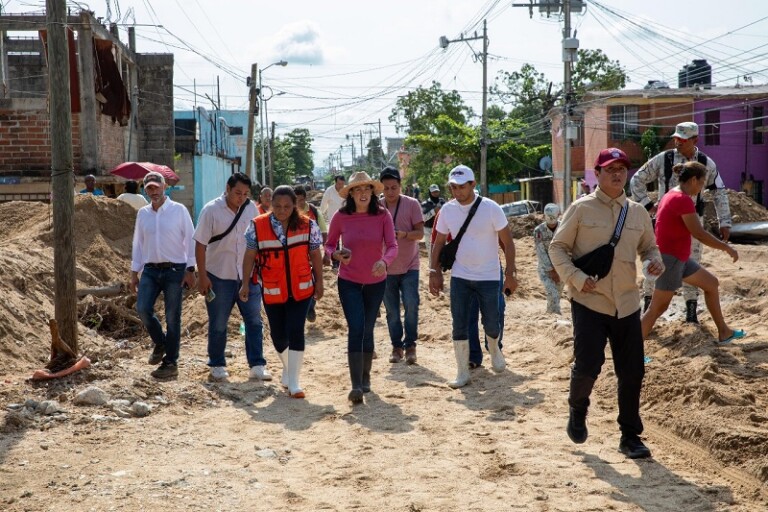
{"x":284,"y":270}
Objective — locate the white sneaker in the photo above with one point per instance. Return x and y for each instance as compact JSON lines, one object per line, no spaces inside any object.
{"x":219,"y":373}
{"x":259,"y":373}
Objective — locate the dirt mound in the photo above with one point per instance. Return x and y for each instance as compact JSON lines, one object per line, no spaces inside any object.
{"x":743,"y":209}
{"x":524,"y":226}
{"x":103,"y":234}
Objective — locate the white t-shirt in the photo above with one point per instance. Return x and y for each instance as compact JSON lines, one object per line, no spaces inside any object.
{"x":477,"y":258}
{"x":135,"y":200}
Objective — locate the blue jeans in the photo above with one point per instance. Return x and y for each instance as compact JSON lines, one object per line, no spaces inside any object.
{"x":475,"y":352}
{"x":487,"y":295}
{"x":168,"y":281}
{"x":405,"y":287}
{"x":360,"y":303}
{"x":286,"y":324}
{"x":219,"y":310}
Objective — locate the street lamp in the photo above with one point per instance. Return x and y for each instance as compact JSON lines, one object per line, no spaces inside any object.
{"x":261,"y":118}
{"x":444,"y":42}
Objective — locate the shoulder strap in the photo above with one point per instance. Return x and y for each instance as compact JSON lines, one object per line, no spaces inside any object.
{"x":240,"y":211}
{"x":314,"y":210}
{"x":669,"y":159}
{"x":469,"y":218}
{"x":620,"y":224}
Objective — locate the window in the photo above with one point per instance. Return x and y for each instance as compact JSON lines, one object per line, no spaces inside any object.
{"x":757,"y":125}
{"x":235,"y":130}
{"x":623,"y":120}
{"x":712,"y":128}
{"x":185,"y":127}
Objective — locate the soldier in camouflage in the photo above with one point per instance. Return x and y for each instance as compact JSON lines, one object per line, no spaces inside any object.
{"x":542,"y":236}
{"x":659,"y":169}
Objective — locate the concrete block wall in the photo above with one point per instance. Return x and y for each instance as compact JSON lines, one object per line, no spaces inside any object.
{"x":25,"y":142}
{"x":155,"y":108}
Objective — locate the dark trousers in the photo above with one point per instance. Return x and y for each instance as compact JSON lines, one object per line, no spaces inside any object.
{"x":591,"y":331}
{"x":286,"y":323}
{"x":360,"y":303}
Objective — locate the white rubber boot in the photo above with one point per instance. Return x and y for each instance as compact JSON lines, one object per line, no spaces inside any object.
{"x":461,"y":350}
{"x":284,"y":359}
{"x":497,"y":358}
{"x":295,"y":359}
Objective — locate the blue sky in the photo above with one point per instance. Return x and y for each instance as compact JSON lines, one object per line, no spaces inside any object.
{"x":350,"y":60}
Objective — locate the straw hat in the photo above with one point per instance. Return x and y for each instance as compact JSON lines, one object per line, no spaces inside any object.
{"x":359,"y":179}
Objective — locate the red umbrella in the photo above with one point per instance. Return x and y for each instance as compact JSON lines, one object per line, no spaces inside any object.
{"x":137,"y":171}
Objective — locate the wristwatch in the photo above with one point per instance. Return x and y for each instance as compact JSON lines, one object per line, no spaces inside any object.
{"x":190,"y":269}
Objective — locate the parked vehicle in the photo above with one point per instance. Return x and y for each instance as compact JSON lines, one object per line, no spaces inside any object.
{"x":520,"y":208}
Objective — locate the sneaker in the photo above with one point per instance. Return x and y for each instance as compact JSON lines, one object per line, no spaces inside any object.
{"x":259,"y":373}
{"x":410,"y":355}
{"x":156,"y":357}
{"x":166,"y":371}
{"x":633,"y":447}
{"x":219,"y":373}
{"x":311,"y":315}
{"x":397,"y":355}
{"x":577,"y":426}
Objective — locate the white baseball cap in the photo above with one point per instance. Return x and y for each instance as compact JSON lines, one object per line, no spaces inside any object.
{"x":460,"y":175}
{"x":686,"y":131}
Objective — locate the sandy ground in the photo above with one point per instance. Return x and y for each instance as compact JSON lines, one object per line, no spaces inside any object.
{"x":414,"y":445}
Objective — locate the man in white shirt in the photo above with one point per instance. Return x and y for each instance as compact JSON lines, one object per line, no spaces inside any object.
{"x":163,"y":251}
{"x":476,"y":269}
{"x":220,"y":267}
{"x":132,"y":197}
{"x":332,"y":201}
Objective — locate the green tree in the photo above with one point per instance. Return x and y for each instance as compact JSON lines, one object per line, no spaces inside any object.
{"x":300,"y":151}
{"x":595,"y":71}
{"x":417,"y":111}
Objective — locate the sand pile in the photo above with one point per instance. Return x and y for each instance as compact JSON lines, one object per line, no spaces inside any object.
{"x":103,"y":234}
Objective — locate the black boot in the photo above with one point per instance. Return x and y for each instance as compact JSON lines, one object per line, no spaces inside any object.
{"x":367,"y":363}
{"x":690,"y":312}
{"x":646,"y":302}
{"x":578,"y":400}
{"x":355,"y":360}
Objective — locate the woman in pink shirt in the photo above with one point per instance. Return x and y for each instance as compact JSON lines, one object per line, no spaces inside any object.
{"x":369,"y":246}
{"x":676,"y":222}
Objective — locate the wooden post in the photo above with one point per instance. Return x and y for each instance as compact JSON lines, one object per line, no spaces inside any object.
{"x":252,"y":102}
{"x":62,"y":172}
{"x":271,"y":155}
{"x":89,"y":110}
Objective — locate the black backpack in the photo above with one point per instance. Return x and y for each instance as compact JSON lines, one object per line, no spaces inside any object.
{"x":669,"y":159}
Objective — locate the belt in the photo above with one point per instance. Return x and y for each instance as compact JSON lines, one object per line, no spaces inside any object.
{"x":163,"y":265}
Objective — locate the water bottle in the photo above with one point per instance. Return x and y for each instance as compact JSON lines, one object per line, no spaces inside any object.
{"x":242,"y":329}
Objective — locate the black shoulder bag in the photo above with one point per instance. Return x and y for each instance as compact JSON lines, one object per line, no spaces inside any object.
{"x":216,"y":238}
{"x":448,"y":253}
{"x":597,"y":263}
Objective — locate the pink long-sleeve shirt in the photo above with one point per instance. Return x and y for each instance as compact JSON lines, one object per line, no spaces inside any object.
{"x":370,"y":238}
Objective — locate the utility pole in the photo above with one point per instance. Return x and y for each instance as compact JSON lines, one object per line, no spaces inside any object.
{"x":381,"y":148}
{"x":62,"y":174}
{"x":570,"y":45}
{"x":484,"y":122}
{"x":483,"y":57}
{"x":271,"y":166}
{"x":253,"y":98}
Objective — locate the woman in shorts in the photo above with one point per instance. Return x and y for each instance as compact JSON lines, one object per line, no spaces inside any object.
{"x":676,"y":222}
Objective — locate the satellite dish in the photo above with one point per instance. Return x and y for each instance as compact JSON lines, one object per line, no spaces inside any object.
{"x":545,"y":163}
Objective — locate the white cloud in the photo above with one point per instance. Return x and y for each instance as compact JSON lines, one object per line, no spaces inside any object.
{"x":300,"y":43}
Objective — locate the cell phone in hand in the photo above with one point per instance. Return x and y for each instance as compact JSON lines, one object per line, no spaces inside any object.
{"x":210,"y":295}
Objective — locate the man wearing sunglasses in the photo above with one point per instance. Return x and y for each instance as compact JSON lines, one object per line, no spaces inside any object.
{"x":659,"y":170}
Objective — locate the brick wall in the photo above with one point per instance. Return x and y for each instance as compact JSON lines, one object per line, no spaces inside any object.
{"x":112,"y":143}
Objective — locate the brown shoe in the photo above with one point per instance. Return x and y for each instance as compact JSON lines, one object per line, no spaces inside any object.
{"x":410,"y":355}
{"x":397,"y":355}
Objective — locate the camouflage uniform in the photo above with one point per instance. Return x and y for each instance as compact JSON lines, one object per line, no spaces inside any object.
{"x":542,"y":236}
{"x":653,"y":170}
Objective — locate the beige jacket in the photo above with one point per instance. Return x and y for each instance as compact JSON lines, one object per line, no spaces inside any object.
{"x":588,"y":224}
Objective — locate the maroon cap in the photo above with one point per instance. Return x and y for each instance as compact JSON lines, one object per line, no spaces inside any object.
{"x":610,"y":155}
